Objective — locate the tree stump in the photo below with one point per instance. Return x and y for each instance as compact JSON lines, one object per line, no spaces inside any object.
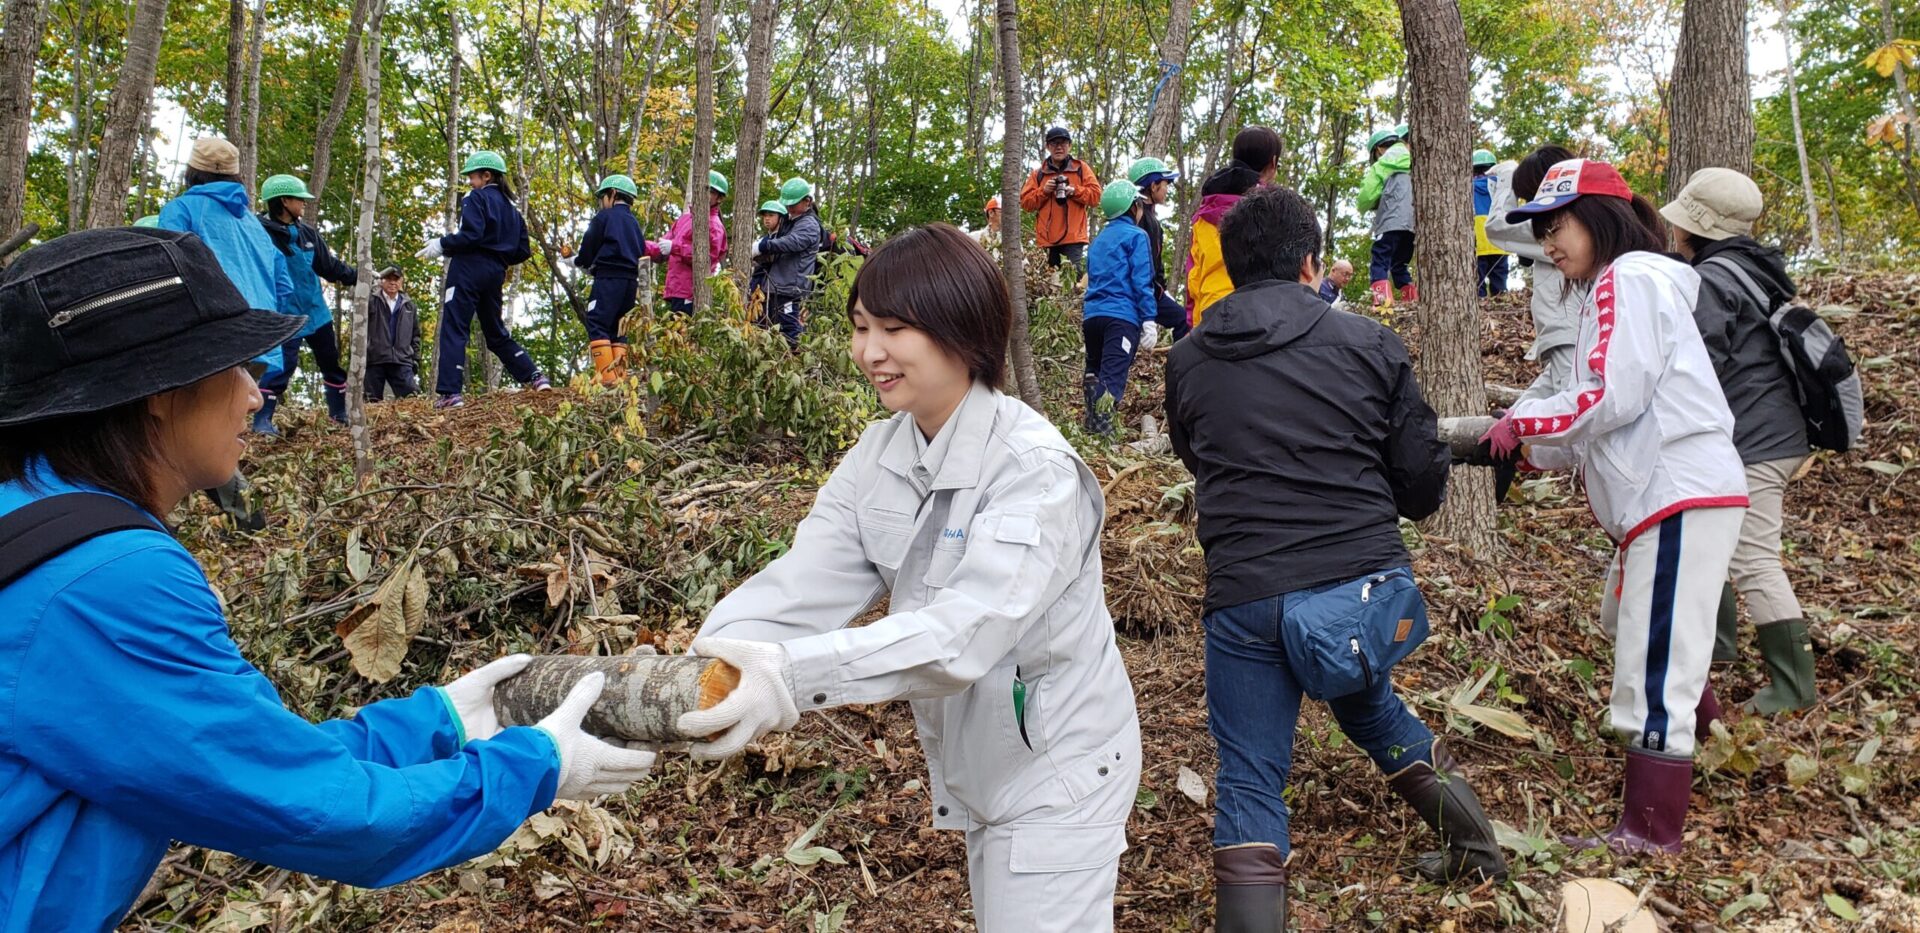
{"x":644,"y":698}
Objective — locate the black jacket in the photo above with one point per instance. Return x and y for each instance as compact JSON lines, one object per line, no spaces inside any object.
{"x":1156,"y":238}
{"x":1767,"y":422}
{"x":612,"y":247}
{"x":393,"y":333}
{"x":794,"y":249}
{"x":325,"y":264}
{"x":1307,"y":438}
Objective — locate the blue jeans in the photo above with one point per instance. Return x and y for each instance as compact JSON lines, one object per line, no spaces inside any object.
{"x":1253,"y":707}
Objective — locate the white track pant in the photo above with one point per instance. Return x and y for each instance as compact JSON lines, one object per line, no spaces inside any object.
{"x":1662,"y":591}
{"x":1055,"y":874}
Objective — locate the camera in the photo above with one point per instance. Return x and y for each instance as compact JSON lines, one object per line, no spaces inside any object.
{"x":1060,"y":187}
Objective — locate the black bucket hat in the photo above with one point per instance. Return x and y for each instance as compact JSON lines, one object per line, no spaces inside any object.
{"x":100,"y":318}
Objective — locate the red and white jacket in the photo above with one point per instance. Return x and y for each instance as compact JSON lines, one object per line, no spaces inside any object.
{"x":1645,"y":420}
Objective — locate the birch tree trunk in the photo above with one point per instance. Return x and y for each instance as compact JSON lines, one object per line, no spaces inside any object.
{"x":750,"y":148}
{"x":1799,"y":134}
{"x":1712,"y":114}
{"x":1448,"y":313}
{"x":643,"y":700}
{"x":1013,"y":171}
{"x":454,"y":184}
{"x":701,"y":200}
{"x":250,"y":145}
{"x":107,"y":204}
{"x":20,"y":38}
{"x":363,"y":248}
{"x":1173,"y":59}
{"x":322,"y":163}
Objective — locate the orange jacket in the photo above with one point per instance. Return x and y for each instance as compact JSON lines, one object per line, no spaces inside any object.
{"x":1060,"y":223}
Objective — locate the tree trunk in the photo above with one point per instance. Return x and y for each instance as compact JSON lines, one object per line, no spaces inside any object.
{"x":80,"y":143}
{"x":370,"y":74}
{"x":1448,"y":314}
{"x":659,"y":29}
{"x":322,"y":163}
{"x":750,"y":147}
{"x":107,"y":205}
{"x":1165,"y":115}
{"x":701,"y":201}
{"x":250,"y":145}
{"x":1712,"y":116}
{"x":20,"y":39}
{"x":1799,"y":134}
{"x":1336,"y":154}
{"x":1013,"y":171}
{"x":1907,"y":129}
{"x":236,"y":84}
{"x":454,"y":184}
{"x":644,"y":697}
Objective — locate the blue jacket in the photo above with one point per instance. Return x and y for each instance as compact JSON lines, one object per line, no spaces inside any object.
{"x":308,"y":261}
{"x":1329,"y":292}
{"x":489,"y":223}
{"x":1120,"y":273}
{"x":128,"y":718}
{"x":613,"y":246}
{"x":218,"y":214}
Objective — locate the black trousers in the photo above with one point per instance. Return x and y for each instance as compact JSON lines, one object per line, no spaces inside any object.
{"x":397,"y":376}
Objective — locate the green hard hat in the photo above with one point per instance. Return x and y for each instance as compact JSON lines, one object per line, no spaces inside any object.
{"x":795,"y":190}
{"x":1116,"y":199}
{"x":1402,"y":130}
{"x":1381,"y":136}
{"x":1148,"y":165}
{"x":484,"y":158}
{"x":620,"y":183}
{"x":717,"y":182}
{"x":774,"y":207}
{"x":1483,"y":158}
{"x":151,"y":220}
{"x":284,"y":186}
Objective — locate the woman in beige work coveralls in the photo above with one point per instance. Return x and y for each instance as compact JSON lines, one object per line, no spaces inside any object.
{"x":980,"y":523}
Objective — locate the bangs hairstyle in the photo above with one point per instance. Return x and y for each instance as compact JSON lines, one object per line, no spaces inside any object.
{"x":1618,"y":227}
{"x":114,"y":449}
{"x":938,"y":280}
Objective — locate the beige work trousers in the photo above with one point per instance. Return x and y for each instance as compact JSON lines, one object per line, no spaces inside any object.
{"x":1756,"y":568}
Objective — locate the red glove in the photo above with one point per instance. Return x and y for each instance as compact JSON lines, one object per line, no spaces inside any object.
{"x":1503,"y":439}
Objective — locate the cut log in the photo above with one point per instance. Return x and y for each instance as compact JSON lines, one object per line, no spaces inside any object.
{"x":644,"y":698}
{"x":1462,"y":435}
{"x":1502,"y":396}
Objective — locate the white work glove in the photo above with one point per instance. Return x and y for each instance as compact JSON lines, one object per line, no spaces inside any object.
{"x":755,"y":252}
{"x":762,"y":703}
{"x":665,"y":246}
{"x":1149,"y":335}
{"x":472,"y":695}
{"x":430,"y":251}
{"x":589,"y":767}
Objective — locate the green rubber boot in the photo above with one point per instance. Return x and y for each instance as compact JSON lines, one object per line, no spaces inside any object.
{"x":1726,"y":639}
{"x":1787,"y":651}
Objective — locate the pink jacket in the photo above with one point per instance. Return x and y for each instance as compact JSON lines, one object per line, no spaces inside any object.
{"x":680,"y":261}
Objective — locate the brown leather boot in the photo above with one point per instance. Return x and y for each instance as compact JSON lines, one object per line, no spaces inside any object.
{"x":1442,"y":797}
{"x":1249,"y":889}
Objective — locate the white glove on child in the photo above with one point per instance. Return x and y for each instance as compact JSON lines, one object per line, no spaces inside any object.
{"x":1149,"y":336}
{"x":755,"y":252}
{"x":430,"y":251}
{"x":665,"y":246}
{"x":472,"y":696}
{"x":762,"y":703}
{"x":589,"y":767}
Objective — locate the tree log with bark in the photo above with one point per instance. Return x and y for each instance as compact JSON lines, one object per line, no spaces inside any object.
{"x":643,"y":701}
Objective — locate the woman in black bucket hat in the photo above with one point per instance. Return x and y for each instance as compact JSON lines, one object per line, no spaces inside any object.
{"x":128,"y":717}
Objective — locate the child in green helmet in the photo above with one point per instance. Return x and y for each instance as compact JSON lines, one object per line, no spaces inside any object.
{"x":612,"y":250}
{"x":676,"y":250}
{"x":771,"y":214}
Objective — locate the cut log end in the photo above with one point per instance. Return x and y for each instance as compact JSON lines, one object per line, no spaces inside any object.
{"x":1462,"y":435}
{"x":643,"y":700}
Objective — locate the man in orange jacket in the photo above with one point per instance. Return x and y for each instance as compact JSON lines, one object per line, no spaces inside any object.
{"x":1059,"y":193}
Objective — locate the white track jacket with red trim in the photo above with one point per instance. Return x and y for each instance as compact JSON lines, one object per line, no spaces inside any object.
{"x":1645,"y":420}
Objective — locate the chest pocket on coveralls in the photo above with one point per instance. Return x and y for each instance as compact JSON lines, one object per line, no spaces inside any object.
{"x":883,"y":536}
{"x":948,"y":550}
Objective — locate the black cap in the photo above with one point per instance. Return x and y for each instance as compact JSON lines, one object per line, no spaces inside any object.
{"x":1057,"y":132}
{"x":100,"y":318}
{"x":390,"y":272}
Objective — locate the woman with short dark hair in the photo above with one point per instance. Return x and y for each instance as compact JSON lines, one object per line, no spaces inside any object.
{"x":130,"y":718}
{"x":980,"y":525}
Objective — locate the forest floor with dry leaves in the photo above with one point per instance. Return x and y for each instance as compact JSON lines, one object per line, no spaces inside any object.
{"x":544,"y":529}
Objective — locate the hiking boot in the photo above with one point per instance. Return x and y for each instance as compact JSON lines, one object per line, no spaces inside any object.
{"x":450,"y":401}
{"x":1249,"y":889}
{"x":1787,"y":650}
{"x":1654,"y":798}
{"x":1444,"y":800}
{"x":263,"y":419}
{"x":1726,"y":636}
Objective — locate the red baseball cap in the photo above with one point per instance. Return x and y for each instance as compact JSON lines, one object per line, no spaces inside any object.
{"x":1569,"y":180}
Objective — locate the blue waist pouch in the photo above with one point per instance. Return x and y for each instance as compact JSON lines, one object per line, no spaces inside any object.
{"x":1346,"y":637}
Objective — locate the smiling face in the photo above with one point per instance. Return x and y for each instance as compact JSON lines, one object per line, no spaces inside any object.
{"x":201,"y":432}
{"x":1569,"y":244}
{"x":1157,"y":192}
{"x":911,"y":372}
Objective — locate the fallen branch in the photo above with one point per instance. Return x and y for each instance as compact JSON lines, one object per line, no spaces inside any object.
{"x":1462,"y":435}
{"x":703,"y":490}
{"x":1502,"y":396}
{"x":645,"y":695}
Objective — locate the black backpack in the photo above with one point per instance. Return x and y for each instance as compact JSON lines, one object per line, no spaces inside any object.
{"x":44,"y":529}
{"x":1824,"y":379}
